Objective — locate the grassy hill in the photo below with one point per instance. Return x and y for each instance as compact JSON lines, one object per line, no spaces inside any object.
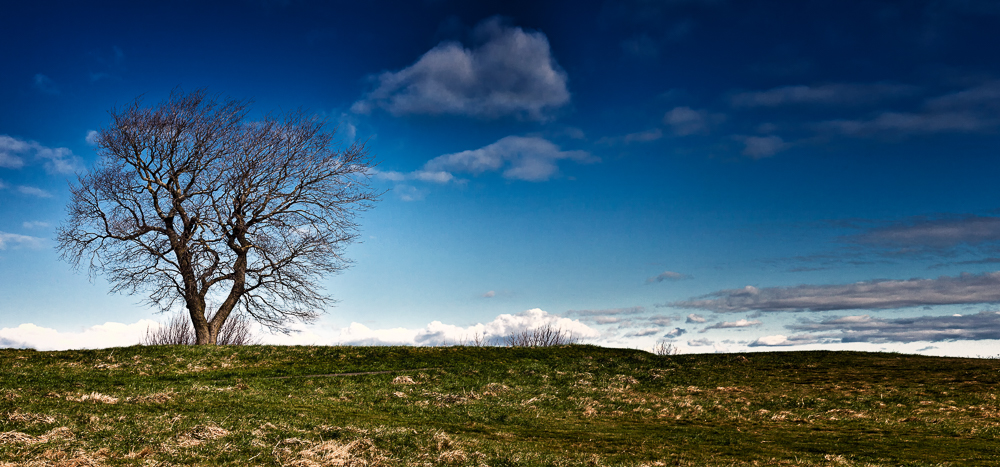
{"x":571,"y":405}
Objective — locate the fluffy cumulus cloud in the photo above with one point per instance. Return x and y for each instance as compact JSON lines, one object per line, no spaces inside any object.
{"x":694,"y":318}
{"x":675,"y":332}
{"x":509,"y":71}
{"x":667,"y":276}
{"x":935,"y":233}
{"x":95,"y":337}
{"x":531,"y":159}
{"x":13,"y":152}
{"x":10,"y":240}
{"x":840,"y":94}
{"x":434,"y":333}
{"x":876,"y":294}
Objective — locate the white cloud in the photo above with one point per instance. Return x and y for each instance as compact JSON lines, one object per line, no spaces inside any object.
{"x":434,"y":333}
{"x":489,"y":294}
{"x":55,"y":160}
{"x":421,"y":175}
{"x":35,"y":225}
{"x":409,"y":193}
{"x":759,"y":147}
{"x":876,"y":294}
{"x":743,"y":323}
{"x":95,"y":337}
{"x":687,"y":121}
{"x":700,"y":342}
{"x":17,"y":241}
{"x":644,"y":332}
{"x":438,"y":333}
{"x":693,"y":318}
{"x":780,"y":340}
{"x":675,"y":332}
{"x":509,"y":72}
{"x":91,"y":137}
{"x":518,"y":157}
{"x":33,"y":191}
{"x":667,"y":276}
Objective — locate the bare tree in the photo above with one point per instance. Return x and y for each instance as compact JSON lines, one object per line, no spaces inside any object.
{"x":192,"y":201}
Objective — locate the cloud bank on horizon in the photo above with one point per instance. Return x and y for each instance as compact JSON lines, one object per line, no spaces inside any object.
{"x":30,"y":336}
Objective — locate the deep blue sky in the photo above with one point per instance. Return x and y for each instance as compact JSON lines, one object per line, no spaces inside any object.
{"x":628,"y":168}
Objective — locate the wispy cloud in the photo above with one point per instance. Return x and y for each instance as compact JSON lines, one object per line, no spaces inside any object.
{"x":634,"y":310}
{"x":835,"y":94}
{"x":865,"y":328}
{"x":509,"y":72}
{"x":55,"y":160}
{"x":743,"y":323}
{"x":693,"y":318}
{"x":700,"y":342}
{"x":44,"y":84}
{"x":982,"y":325}
{"x":531,"y":159}
{"x":972,"y":110}
{"x":876,"y":294}
{"x":667,"y":276}
{"x":684,"y":121}
{"x":10,"y":240}
{"x":644,"y":136}
{"x":33,"y":191}
{"x":781,"y":340}
{"x":934,"y":233}
{"x":759,"y":147}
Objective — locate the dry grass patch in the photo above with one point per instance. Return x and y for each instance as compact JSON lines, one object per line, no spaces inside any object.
{"x":295,"y":452}
{"x":30,"y":418}
{"x":199,"y":434}
{"x":94,"y":397}
{"x":56,"y":434}
{"x":403,"y":380}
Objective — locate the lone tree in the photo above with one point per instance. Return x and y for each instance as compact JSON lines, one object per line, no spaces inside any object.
{"x":193,"y":202}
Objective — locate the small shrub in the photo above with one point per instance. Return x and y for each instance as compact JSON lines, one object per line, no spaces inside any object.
{"x":665,"y":348}
{"x":545,"y":336}
{"x":178,"y":330}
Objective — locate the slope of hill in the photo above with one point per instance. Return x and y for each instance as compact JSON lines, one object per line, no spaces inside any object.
{"x":570,"y":405}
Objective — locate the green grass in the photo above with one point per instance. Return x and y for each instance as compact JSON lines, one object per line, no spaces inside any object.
{"x":572,"y":405}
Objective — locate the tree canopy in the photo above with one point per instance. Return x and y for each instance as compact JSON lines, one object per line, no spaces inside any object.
{"x":199,"y":206}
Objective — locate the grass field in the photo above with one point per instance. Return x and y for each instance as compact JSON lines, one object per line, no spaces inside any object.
{"x":493,"y":406}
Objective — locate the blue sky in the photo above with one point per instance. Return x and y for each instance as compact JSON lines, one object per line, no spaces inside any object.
{"x":728,"y":175}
